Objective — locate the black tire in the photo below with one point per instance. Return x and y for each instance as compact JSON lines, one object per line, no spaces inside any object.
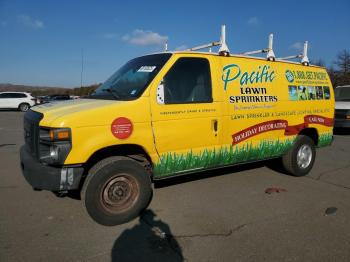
{"x":23,"y":107}
{"x":116,"y":190}
{"x":301,"y":157}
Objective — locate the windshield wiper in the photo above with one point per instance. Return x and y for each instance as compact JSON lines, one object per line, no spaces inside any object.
{"x":114,"y":93}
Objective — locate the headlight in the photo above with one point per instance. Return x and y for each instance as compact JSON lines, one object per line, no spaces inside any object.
{"x":55,"y":134}
{"x":55,"y":144}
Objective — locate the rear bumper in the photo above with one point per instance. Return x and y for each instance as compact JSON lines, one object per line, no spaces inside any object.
{"x":41,"y":176}
{"x":342,"y":123}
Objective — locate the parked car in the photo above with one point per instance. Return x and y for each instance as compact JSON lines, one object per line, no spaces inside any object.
{"x":16,"y":100}
{"x":52,"y":98}
{"x":74,"y":97}
{"x":342,"y":106}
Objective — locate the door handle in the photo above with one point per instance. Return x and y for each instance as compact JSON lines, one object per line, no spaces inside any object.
{"x":215,"y":126}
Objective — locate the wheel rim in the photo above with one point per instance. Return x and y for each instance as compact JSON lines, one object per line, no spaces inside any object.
{"x":304,"y":156}
{"x":119,"y":193}
{"x":24,"y":107}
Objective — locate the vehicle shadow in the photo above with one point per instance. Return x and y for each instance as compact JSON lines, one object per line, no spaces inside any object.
{"x":150,"y":240}
{"x":10,"y":110}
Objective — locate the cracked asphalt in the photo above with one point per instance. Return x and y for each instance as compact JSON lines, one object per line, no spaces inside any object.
{"x":222,"y":215}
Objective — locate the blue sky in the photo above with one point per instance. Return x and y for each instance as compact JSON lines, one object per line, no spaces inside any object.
{"x":41,"y":41}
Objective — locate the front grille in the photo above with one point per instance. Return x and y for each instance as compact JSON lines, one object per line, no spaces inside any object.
{"x":341,"y":113}
{"x":31,"y":131}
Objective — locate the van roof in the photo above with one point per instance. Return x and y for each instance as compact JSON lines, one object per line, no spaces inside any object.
{"x":238,"y":56}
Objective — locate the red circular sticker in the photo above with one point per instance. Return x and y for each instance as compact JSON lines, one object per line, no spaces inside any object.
{"x":121,"y":128}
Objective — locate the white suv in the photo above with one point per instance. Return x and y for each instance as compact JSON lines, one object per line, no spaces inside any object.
{"x":19,"y":100}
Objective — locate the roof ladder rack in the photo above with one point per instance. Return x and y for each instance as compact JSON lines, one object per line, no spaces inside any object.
{"x":270,"y":55}
{"x":269,"y":50}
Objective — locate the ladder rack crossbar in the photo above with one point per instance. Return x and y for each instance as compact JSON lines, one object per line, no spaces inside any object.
{"x":290,"y":57}
{"x":256,"y":52}
{"x":217,"y":43}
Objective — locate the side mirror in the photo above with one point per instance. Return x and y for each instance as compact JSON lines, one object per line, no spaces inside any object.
{"x":160,"y":93}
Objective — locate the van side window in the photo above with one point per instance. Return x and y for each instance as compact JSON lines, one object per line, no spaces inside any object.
{"x":188,"y":81}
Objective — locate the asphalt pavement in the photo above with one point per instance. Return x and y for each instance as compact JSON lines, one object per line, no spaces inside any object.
{"x":222,"y":215}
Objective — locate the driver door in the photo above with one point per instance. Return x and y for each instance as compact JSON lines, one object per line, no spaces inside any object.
{"x":185,"y":117}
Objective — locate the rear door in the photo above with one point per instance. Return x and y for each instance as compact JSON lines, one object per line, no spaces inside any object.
{"x":14,"y":99}
{"x":186,"y":114}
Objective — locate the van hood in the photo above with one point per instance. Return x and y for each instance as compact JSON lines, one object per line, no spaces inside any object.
{"x":342,"y":105}
{"x":55,"y":110}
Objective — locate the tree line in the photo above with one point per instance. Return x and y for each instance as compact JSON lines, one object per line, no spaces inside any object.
{"x":339,"y":70}
{"x":77,"y":91}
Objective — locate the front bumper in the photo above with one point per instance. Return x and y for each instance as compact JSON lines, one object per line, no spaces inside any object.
{"x":41,"y":176}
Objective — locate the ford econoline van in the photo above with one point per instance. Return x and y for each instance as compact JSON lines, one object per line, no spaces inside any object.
{"x":174,"y":113}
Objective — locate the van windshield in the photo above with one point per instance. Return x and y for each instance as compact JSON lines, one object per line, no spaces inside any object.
{"x":342,"y":94}
{"x":131,"y":80}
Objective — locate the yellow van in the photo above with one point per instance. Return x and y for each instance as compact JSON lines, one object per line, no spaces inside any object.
{"x":175,"y":113}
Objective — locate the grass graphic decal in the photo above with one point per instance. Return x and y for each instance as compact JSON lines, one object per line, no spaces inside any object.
{"x":325,"y":139}
{"x":173,"y":163}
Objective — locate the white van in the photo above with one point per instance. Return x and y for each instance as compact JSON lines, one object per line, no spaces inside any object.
{"x":342,"y":106}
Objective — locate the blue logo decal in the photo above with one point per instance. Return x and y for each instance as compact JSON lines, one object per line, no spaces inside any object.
{"x":289,"y":76}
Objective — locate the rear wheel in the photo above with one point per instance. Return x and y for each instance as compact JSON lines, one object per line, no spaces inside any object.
{"x":116,"y":190}
{"x":300,"y":158}
{"x":24,"y":107}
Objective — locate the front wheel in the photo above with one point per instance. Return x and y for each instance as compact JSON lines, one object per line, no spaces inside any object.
{"x":301,"y":157}
{"x":116,"y":190}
